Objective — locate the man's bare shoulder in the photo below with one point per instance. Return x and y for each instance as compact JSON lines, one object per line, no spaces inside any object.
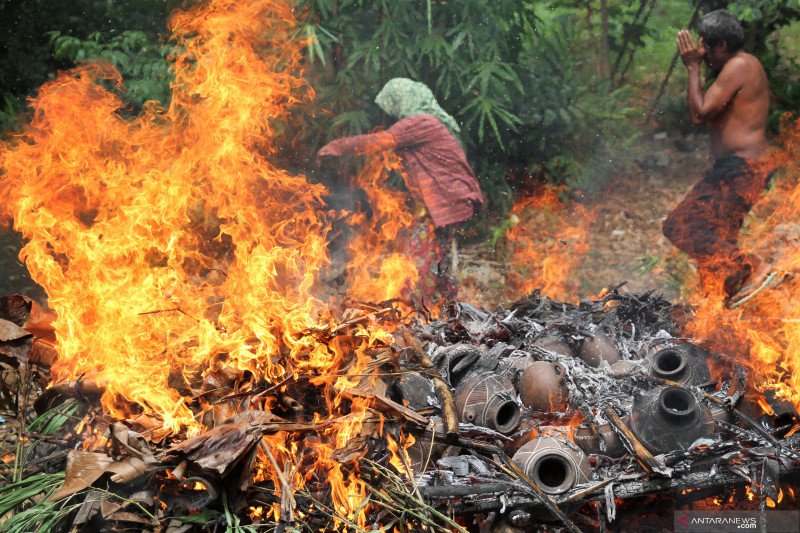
{"x":743,"y":64}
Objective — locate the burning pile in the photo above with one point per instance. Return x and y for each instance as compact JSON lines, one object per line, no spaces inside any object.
{"x":194,"y":375}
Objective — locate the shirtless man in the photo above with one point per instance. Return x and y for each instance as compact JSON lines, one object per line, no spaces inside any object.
{"x":706,"y":223}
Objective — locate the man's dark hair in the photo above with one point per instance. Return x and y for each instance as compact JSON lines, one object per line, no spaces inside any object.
{"x":721,"y":25}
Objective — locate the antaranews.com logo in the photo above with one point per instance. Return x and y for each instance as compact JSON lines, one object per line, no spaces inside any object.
{"x":738,"y":522}
{"x":734,"y":521}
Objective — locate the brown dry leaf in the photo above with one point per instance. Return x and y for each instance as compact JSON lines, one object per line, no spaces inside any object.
{"x":82,"y":390}
{"x":133,"y":518}
{"x":43,"y":353}
{"x":124,"y":439}
{"x":108,"y":508}
{"x":15,"y":308}
{"x":15,"y":343}
{"x":128,"y":469}
{"x":40,"y":322}
{"x":89,"y":508}
{"x":222,"y":447}
{"x":9,"y":331}
{"x":84,"y":468}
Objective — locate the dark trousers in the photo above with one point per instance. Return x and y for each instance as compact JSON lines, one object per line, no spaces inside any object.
{"x":706,"y":224}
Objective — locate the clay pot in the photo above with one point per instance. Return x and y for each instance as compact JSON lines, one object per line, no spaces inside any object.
{"x":666,"y":419}
{"x":513,"y":366}
{"x":599,"y":440}
{"x":488,"y":400}
{"x":543,"y":387}
{"x":597,"y":349}
{"x":454,"y":361}
{"x":554,"y":344}
{"x":417,"y":391}
{"x":721,"y":414}
{"x":554,"y":465}
{"x":683,"y":363}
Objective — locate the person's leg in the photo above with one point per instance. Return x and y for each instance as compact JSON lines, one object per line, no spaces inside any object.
{"x":446,"y":279}
{"x":706,"y":225}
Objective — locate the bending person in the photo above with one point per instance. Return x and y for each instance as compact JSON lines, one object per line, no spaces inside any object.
{"x":436,"y":169}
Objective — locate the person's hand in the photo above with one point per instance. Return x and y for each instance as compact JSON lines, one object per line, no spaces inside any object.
{"x":692,"y":53}
{"x":329,"y":150}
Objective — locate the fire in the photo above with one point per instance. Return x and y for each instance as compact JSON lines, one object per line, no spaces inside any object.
{"x":547,"y":239}
{"x":399,"y":457}
{"x":379,"y":268}
{"x":171,"y":246}
{"x":766,"y":329}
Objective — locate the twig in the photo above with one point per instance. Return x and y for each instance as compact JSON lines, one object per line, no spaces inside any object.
{"x":769,"y":279}
{"x":588,"y":490}
{"x":634,"y":445}
{"x":443,"y":392}
{"x":288,"y":503}
{"x":171,"y":309}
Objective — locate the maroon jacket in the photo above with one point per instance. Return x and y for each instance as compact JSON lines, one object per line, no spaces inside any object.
{"x":435,"y":165}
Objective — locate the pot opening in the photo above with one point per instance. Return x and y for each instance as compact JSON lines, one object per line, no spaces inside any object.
{"x":677,"y":402}
{"x":669,"y":362}
{"x":507,"y":417}
{"x":552,"y":473}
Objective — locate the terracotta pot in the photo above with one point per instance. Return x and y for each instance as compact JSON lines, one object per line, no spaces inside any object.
{"x":454,"y":361}
{"x":554,"y":344}
{"x":683,"y":363}
{"x":599,"y":440}
{"x":543,"y":387}
{"x":666,"y":419}
{"x":417,"y":390}
{"x":554,"y":465}
{"x":597,"y":349}
{"x":513,"y":366}
{"x":721,"y":414}
{"x":488,"y":400}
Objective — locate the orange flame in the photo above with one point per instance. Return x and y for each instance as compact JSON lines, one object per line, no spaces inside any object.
{"x":765,"y":331}
{"x":379,"y":270}
{"x":548,"y":240}
{"x":169,"y":244}
{"x":170,"y":238}
{"x":399,"y":457}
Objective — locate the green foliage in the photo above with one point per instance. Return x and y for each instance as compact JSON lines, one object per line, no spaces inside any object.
{"x":26,"y":55}
{"x":9,"y":110}
{"x":53,"y":419}
{"x":519,"y":77}
{"x":41,"y":514}
{"x":142,"y":63}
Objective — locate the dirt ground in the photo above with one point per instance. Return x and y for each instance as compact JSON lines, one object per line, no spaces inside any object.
{"x":626,"y":244}
{"x":625,"y":240}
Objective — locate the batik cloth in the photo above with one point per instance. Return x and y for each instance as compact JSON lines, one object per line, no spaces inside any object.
{"x":706,"y":224}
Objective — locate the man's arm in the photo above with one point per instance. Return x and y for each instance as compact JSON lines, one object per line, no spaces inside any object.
{"x":730,"y":80}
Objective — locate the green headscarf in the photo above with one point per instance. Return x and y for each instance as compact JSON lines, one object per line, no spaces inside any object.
{"x":402,"y":98}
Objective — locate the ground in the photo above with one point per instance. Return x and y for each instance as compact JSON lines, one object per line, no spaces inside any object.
{"x":626,"y":244}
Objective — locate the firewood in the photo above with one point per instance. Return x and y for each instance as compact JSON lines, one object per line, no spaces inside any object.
{"x":443,"y":392}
